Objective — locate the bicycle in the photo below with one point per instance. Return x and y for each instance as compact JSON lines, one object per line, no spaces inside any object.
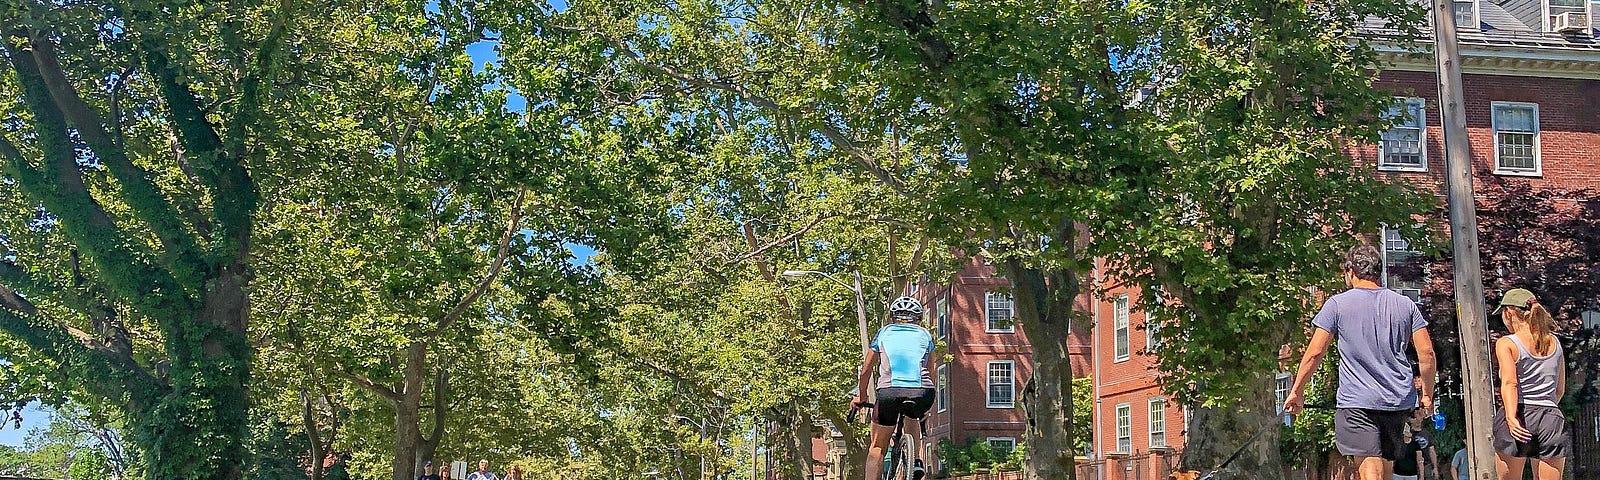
{"x":895,"y":456}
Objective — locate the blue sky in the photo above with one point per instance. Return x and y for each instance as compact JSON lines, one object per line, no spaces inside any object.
{"x":33,"y":417}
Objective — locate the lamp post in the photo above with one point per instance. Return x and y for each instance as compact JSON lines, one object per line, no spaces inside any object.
{"x":861,"y":300}
{"x":701,"y":426}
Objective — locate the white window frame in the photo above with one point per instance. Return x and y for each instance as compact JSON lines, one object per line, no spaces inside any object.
{"x":943,"y":394}
{"x":1151,"y":329}
{"x":1538,"y":158}
{"x":942,"y":314}
{"x":989,"y":384}
{"x":988,"y":323}
{"x":1281,"y":384}
{"x":1477,"y":15}
{"x":1421,"y":119}
{"x":1119,"y":332}
{"x":992,"y":440}
{"x":1124,"y":428}
{"x":1549,"y":17}
{"x":1158,"y":422}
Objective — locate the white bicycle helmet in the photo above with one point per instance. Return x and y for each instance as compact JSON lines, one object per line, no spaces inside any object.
{"x":905,"y":306}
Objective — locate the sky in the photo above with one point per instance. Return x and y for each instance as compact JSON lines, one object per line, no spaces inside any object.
{"x":34,"y":416}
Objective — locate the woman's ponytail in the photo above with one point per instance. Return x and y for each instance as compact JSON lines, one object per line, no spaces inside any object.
{"x":1543,"y":326}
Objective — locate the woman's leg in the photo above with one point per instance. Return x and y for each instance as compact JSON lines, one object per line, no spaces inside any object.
{"x":880,"y":442}
{"x":1548,"y":468}
{"x":1510,"y":467}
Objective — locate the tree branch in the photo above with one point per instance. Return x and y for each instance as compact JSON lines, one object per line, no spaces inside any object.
{"x":512,"y":225}
{"x":179,"y":248}
{"x":367,"y":384}
{"x":781,"y":241}
{"x":60,"y":187}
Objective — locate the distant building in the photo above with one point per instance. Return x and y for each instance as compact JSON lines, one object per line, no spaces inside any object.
{"x":980,"y":386}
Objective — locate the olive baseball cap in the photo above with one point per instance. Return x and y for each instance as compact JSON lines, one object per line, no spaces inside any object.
{"x":1516,"y":297}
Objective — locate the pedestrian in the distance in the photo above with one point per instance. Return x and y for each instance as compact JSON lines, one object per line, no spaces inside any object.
{"x":515,"y":473}
{"x":444,"y":474}
{"x":427,"y":472}
{"x":1533,"y":377}
{"x":1375,"y":326}
{"x":483,"y":472}
{"x":1419,"y":456}
{"x":1459,"y":467}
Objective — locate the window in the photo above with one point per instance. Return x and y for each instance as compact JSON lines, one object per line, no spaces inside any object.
{"x":1002,"y":446}
{"x":943,"y":395}
{"x":1401,"y":272}
{"x":1001,"y":384}
{"x":1516,"y":138}
{"x":1152,"y":332}
{"x":942,"y":311}
{"x":1281,"y":385}
{"x":1158,"y":422}
{"x":1466,"y":13}
{"x":999,"y":312}
{"x":1404,"y":146}
{"x":1578,"y":10}
{"x":1124,"y":428}
{"x":1120,"y":327}
{"x":911,"y":288}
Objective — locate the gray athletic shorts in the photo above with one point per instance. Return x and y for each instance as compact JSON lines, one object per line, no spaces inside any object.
{"x":1549,"y":428}
{"x":1360,"y":432}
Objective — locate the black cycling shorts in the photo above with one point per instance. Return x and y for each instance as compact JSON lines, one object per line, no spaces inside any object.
{"x":892,"y":404}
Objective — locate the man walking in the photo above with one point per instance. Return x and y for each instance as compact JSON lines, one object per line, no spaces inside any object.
{"x":483,"y":472}
{"x":1374,"y":327}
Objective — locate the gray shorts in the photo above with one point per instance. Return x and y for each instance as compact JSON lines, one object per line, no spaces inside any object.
{"x":1360,"y":432}
{"x":1549,"y":429}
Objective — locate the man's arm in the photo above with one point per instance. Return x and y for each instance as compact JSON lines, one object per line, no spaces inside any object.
{"x":1320,"y":339}
{"x":1426,"y":365}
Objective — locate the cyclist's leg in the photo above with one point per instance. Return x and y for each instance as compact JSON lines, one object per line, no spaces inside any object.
{"x":880,"y":444}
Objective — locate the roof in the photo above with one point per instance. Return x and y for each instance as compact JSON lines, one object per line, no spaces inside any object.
{"x":1510,"y":23}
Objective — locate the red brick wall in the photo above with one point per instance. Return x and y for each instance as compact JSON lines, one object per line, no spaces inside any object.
{"x":970,"y":347}
{"x":1132,"y":381}
{"x":1569,"y":125}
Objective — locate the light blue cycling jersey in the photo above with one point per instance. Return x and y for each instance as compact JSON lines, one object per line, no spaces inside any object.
{"x":904,"y":350}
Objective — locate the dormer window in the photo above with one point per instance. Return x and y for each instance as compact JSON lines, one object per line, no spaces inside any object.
{"x":1466,"y":13}
{"x":1567,"y":16}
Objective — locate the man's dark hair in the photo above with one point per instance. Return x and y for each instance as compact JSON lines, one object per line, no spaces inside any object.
{"x":1364,"y":261}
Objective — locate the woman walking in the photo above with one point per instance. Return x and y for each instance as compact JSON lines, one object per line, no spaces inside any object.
{"x":1532,"y":379}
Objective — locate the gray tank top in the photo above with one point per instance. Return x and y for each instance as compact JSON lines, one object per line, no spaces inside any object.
{"x":1537,"y":376}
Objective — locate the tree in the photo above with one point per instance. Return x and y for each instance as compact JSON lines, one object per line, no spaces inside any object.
{"x":131,"y":133}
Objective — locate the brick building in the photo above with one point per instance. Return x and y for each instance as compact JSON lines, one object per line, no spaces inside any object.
{"x":1531,"y":78}
{"x":980,"y":386}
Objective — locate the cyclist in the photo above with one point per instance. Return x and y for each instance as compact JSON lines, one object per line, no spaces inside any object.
{"x":900,"y":355}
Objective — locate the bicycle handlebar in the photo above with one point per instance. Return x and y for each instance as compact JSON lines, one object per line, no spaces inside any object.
{"x":851,"y":417}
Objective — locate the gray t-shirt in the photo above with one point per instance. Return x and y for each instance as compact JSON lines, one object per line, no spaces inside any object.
{"x":1373,"y":329}
{"x":1460,"y":464}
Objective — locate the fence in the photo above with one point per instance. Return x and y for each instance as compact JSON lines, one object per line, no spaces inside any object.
{"x":1585,"y":459}
{"x":987,"y":475}
{"x":1142,"y":466}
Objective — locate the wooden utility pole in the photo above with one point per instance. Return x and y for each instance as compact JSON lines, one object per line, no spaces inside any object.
{"x":1470,"y":318}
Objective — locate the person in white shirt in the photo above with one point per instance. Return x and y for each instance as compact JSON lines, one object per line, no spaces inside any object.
{"x":483,"y":472}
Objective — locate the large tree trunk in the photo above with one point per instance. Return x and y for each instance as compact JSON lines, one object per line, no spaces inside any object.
{"x":1252,"y":424}
{"x":407,"y":414}
{"x":1044,"y":308}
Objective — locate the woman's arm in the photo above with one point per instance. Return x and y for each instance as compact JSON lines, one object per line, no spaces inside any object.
{"x":867,"y":365}
{"x":1505,"y":356}
{"x":1561,"y":380}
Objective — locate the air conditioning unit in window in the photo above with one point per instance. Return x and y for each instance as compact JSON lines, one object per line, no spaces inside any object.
{"x":1570,"y":22}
